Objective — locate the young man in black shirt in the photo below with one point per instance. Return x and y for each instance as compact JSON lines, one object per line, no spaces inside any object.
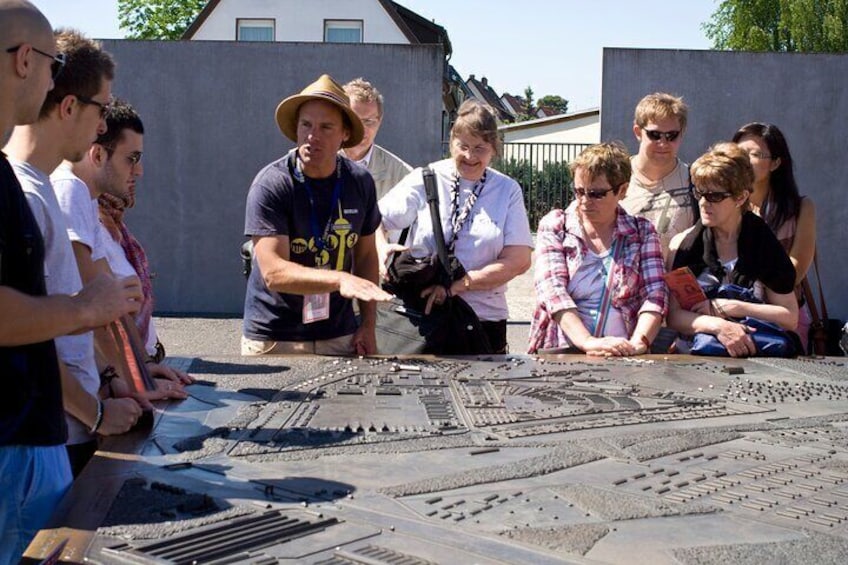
{"x":34,"y":471}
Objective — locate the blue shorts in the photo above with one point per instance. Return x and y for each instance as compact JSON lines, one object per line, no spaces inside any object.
{"x":32,"y":482}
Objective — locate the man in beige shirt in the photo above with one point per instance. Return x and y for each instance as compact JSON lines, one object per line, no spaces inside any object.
{"x":659,"y":187}
{"x":385,"y":167}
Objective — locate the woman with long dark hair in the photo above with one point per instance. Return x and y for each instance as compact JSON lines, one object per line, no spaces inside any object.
{"x":776,"y":199}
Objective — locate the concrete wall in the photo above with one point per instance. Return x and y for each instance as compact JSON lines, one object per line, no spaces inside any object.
{"x":804,"y":94}
{"x":296,"y":20}
{"x":208,"y":109}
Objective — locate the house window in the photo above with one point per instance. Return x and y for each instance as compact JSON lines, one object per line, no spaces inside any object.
{"x":343,"y":31}
{"x":255,"y":30}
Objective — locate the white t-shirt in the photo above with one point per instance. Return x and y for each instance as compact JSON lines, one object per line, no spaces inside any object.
{"x":82,"y":215}
{"x":498,"y":219}
{"x":62,"y":277}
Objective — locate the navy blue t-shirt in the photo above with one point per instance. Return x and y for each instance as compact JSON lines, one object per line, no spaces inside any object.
{"x":277,"y":204}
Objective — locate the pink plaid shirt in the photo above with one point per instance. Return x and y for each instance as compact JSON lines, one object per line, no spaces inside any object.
{"x":637,"y":286}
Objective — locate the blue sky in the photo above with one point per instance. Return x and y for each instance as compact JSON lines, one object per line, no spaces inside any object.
{"x":555,"y":46}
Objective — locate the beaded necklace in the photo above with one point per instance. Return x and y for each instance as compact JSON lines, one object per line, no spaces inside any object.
{"x":458,"y":217}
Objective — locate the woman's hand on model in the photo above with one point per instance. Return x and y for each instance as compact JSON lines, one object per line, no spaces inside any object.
{"x":609,"y":347}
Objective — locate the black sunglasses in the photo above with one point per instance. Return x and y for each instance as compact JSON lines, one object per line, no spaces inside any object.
{"x":55,"y":67}
{"x":86,"y":100}
{"x":656,"y":135}
{"x":594,"y":193}
{"x":714,"y":197}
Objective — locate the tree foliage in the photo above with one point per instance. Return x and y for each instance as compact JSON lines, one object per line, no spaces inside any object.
{"x":780,"y":25}
{"x":157,"y":19}
{"x":554,"y":102}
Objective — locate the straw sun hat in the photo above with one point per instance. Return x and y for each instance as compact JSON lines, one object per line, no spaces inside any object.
{"x":328,"y":90}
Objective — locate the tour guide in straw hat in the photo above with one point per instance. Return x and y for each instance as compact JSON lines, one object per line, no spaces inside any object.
{"x":312,"y":217}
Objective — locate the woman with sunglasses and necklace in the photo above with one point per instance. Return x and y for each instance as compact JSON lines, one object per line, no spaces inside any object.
{"x":483,"y":219}
{"x":731,"y":244}
{"x":776,"y":199}
{"x":599,"y":271}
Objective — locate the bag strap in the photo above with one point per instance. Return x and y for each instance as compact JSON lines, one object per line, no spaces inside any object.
{"x":808,"y":294}
{"x":606,"y":297}
{"x":432,"y":192}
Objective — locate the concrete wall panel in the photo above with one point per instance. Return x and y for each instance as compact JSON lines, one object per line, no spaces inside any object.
{"x":208,"y":109}
{"x":803,"y":94}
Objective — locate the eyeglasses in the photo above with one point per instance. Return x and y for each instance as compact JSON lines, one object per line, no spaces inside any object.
{"x":759,"y":156}
{"x":104,"y":108}
{"x":478,"y":151}
{"x":713,"y":197}
{"x":656,"y":135}
{"x":55,"y":67}
{"x":133,"y":158}
{"x":594,"y":193}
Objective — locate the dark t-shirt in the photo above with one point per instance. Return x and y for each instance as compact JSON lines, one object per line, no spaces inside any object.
{"x":31,"y":410}
{"x":277,"y":204}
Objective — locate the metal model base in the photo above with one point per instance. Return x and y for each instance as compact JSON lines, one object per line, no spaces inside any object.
{"x":507,"y":459}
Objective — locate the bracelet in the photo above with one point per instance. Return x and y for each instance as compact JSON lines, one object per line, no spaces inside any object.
{"x":99,"y":419}
{"x":107,"y":375}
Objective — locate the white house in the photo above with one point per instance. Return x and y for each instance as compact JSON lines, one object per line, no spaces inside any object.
{"x":336,"y":21}
{"x":577,"y":127}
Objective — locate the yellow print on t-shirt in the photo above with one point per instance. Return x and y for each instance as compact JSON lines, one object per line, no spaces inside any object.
{"x":339,"y":241}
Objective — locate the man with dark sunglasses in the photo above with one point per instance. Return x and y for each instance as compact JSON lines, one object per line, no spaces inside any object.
{"x":659,"y":188}
{"x":34,"y":470}
{"x":69,"y":122}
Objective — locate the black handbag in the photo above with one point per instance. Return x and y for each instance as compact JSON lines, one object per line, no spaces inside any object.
{"x":825,"y":332}
{"x":451,"y":328}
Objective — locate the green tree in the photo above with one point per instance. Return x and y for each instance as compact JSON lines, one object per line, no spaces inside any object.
{"x":528,"y":110}
{"x":780,"y":25}
{"x":553,"y":102}
{"x":157,"y":19}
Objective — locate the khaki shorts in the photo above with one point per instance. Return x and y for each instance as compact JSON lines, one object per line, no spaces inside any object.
{"x":337,"y":346}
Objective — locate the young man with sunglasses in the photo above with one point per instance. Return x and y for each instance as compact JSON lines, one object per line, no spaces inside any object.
{"x":69,"y":121}
{"x":34,"y":470}
{"x":659,"y":188}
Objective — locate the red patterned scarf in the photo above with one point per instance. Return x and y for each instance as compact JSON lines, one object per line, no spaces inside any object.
{"x":112,"y":211}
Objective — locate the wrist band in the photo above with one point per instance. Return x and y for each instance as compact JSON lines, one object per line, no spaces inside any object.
{"x":99,"y":419}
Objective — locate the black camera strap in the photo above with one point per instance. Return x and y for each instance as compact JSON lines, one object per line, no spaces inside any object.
{"x":432,"y":192}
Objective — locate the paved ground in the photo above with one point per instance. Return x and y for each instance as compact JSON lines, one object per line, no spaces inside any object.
{"x":198,"y":337}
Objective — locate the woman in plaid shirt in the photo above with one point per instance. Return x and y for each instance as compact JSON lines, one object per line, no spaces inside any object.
{"x":598,"y":274}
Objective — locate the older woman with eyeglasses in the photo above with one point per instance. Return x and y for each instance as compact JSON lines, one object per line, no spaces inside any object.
{"x":731,"y":244}
{"x":599,"y":271}
{"x":483,"y":218}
